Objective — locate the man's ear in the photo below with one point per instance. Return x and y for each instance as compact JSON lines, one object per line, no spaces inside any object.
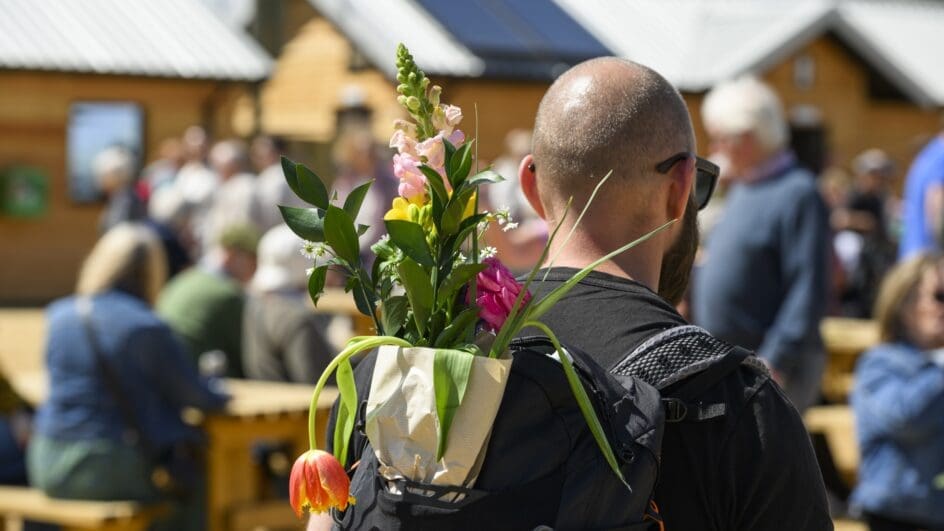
{"x":681,"y":186}
{"x":527,"y":175}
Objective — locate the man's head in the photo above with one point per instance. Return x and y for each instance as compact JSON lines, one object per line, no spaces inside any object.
{"x":237,"y":246}
{"x":266,"y":151}
{"x":228,"y":158}
{"x":607,"y":115}
{"x":745,"y":121}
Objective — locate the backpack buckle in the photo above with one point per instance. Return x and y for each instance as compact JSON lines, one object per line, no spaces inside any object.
{"x":675,"y":409}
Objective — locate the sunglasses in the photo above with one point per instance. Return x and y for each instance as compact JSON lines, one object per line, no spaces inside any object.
{"x":706,"y":175}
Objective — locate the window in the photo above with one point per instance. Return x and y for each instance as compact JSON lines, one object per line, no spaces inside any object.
{"x":92,"y":128}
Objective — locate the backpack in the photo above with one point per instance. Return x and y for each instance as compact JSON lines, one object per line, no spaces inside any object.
{"x":542,"y":468}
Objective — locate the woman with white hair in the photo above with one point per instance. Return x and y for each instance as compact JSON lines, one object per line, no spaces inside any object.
{"x":118,"y":382}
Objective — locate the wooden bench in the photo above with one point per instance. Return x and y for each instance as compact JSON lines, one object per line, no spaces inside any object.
{"x":837,"y":424}
{"x":24,"y":503}
{"x":845,"y":339}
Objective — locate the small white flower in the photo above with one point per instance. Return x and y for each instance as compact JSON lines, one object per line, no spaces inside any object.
{"x":462,"y":258}
{"x":383,"y":239}
{"x":503,"y":215}
{"x":510,"y":226}
{"x":487,"y":252}
{"x":312,"y":250}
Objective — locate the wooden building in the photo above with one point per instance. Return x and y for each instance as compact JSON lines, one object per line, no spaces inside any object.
{"x":341,"y":60}
{"x":149,"y":70}
{"x":852,"y":74}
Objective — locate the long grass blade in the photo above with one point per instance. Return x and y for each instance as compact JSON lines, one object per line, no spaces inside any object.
{"x":583,"y":402}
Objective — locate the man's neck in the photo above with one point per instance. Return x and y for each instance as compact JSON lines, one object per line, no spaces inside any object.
{"x":639,"y":264}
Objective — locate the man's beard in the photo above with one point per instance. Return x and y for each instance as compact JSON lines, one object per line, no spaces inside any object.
{"x":677,"y":262}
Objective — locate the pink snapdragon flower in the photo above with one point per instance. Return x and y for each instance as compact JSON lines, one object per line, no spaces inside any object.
{"x":404,"y":143}
{"x":496,"y":295}
{"x":435,"y":153}
{"x":445,"y":118}
{"x":412,"y":181}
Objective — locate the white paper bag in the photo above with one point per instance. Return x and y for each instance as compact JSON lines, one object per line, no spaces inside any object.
{"x":403,"y":425}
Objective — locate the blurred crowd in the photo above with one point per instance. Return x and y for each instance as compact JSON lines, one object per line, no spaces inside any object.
{"x":196,"y":278}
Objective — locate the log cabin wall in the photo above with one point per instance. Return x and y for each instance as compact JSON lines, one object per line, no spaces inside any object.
{"x":41,"y":257}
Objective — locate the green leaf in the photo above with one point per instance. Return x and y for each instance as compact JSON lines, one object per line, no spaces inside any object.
{"x":452,"y":217}
{"x":411,"y":239}
{"x":310,"y":187}
{"x":435,"y":182}
{"x":487,"y":176}
{"x":393,"y":314}
{"x":450,"y":150}
{"x":583,"y":401}
{"x":468,"y":225}
{"x":354,"y":346}
{"x":288,"y":170}
{"x":347,"y":409}
{"x":362,"y":300}
{"x":362,"y":229}
{"x":316,"y":283}
{"x":418,"y":290}
{"x":307,"y":223}
{"x":354,"y":200}
{"x":451,"y":370}
{"x":459,"y":165}
{"x":460,"y":276}
{"x":341,"y":236}
{"x":457,"y":328}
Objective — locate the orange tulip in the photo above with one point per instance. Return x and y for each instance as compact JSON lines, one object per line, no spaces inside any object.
{"x":318,"y":483}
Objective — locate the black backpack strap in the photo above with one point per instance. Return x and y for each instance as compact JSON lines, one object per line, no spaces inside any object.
{"x":697,"y":385}
{"x":683,"y":363}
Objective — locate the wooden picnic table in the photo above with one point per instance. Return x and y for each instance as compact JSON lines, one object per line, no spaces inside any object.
{"x":259,"y":411}
{"x":837,"y":424}
{"x":336,"y":301}
{"x":846,"y":339}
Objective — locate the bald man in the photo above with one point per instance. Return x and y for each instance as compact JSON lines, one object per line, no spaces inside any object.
{"x":739,"y":457}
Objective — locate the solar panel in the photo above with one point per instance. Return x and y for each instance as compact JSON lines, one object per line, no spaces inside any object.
{"x":528,"y":37}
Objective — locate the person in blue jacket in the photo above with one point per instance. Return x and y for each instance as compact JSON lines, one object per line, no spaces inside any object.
{"x":898,"y":400}
{"x":121,"y":356}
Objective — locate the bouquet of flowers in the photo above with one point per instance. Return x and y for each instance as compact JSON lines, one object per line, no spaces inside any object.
{"x":444,"y":308}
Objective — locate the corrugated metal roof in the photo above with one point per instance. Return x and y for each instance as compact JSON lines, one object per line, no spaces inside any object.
{"x":523,"y":39}
{"x":906,"y":40}
{"x":376,"y":28}
{"x":170,"y":38}
{"x":696,"y":44}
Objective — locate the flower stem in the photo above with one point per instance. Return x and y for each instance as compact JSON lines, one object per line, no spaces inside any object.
{"x":355,"y":345}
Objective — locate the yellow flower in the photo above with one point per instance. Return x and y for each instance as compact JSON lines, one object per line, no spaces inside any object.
{"x":470,"y":206}
{"x":400,"y":210}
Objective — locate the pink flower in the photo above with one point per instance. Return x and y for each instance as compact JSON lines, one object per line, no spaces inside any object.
{"x":412,"y":182}
{"x":403,"y":142}
{"x":453,"y":115}
{"x":446,"y":117}
{"x":496,"y":295}
{"x":456,"y":138}
{"x":409,"y":128}
{"x":434,"y":151}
